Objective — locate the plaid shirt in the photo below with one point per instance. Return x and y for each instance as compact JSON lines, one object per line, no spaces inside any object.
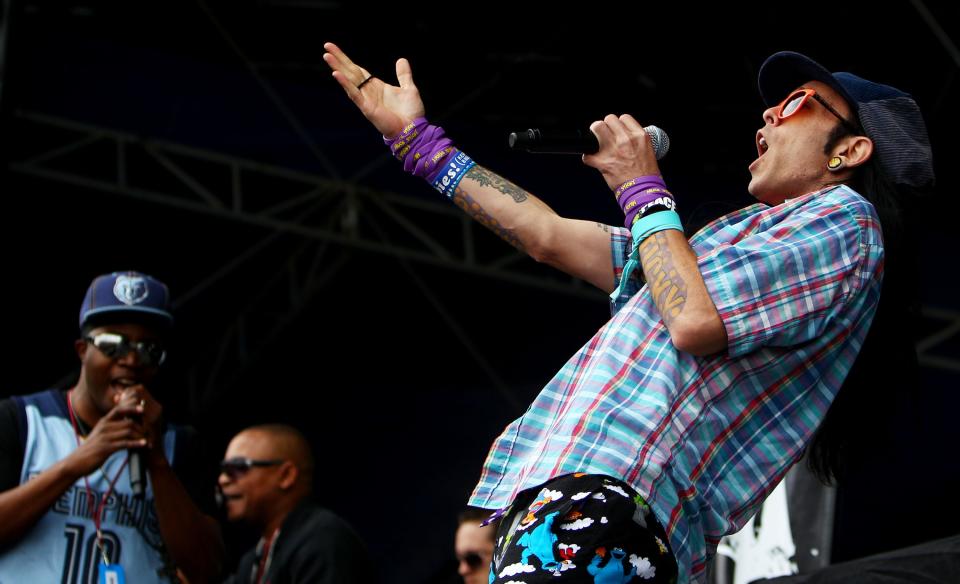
{"x":705,"y":439}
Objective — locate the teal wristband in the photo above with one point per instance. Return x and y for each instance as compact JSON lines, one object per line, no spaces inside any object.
{"x":642,"y":229}
{"x":654,"y":222}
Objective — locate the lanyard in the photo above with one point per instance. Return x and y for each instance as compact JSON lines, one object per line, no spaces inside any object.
{"x":90,"y":498}
{"x":266,"y":557}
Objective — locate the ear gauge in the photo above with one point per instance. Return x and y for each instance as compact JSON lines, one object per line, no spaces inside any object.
{"x":835,"y":164}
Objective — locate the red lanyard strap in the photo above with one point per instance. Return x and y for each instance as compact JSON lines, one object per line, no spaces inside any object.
{"x":98,"y":512}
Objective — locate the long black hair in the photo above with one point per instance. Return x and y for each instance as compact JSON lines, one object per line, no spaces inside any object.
{"x":885,"y":370}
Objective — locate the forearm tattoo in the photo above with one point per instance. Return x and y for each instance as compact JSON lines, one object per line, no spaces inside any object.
{"x":485,"y":178}
{"x":667,"y":286}
{"x":473,"y":209}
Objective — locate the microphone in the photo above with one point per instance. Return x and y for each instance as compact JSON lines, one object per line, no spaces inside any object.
{"x":138,"y":472}
{"x":576,"y":141}
{"x":135,"y":464}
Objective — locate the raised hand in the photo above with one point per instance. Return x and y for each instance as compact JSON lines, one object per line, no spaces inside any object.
{"x":388,"y":107}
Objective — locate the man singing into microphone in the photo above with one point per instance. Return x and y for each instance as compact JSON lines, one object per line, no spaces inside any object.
{"x":671,"y":425}
{"x":69,"y":511}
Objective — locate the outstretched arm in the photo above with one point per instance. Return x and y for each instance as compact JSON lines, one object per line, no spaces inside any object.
{"x":579,"y":248}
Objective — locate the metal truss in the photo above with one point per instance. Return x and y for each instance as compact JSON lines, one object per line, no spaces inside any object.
{"x":280,"y":299}
{"x":250,"y":192}
{"x":325,"y":213}
{"x":933,"y":350}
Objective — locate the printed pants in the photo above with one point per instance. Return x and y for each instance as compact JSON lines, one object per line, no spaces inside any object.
{"x":581,"y":528}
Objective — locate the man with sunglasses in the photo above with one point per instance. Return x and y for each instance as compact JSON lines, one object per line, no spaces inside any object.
{"x":266,"y":481}
{"x":75,"y":507}
{"x":668,"y":429}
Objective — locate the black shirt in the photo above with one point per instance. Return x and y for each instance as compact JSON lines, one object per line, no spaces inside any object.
{"x":313,"y":546}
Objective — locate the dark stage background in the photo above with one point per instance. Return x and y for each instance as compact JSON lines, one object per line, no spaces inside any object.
{"x":400,"y":343}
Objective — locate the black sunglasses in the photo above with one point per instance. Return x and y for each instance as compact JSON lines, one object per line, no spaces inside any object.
{"x":115,"y":346}
{"x":472,"y":559}
{"x":237,"y":467}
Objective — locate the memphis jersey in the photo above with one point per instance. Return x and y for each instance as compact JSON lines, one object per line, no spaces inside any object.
{"x":62,"y":546}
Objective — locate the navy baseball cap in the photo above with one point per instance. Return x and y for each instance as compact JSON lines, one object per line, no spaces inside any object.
{"x":887,"y":115}
{"x":126,"y":297}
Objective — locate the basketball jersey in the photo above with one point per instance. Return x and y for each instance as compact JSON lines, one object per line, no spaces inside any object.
{"x":62,"y":546}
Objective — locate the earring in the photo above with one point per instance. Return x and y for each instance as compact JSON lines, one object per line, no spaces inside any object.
{"x":835,"y":163}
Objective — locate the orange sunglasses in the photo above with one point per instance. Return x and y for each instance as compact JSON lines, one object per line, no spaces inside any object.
{"x":795,"y":101}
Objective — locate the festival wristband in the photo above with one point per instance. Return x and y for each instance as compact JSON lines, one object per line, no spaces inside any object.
{"x":451,"y":173}
{"x":640,"y":183}
{"x":636,"y":195}
{"x":421,"y":147}
{"x":643,"y":202}
{"x":654,"y":222}
{"x":641,"y":230}
{"x":663,"y":203}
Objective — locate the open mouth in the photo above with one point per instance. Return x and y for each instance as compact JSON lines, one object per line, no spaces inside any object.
{"x":224,"y":500}
{"x":762,"y":145}
{"x":119,"y":384}
{"x":227,"y":497}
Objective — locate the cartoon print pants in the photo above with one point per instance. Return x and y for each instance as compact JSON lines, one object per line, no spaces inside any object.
{"x":581,"y":528}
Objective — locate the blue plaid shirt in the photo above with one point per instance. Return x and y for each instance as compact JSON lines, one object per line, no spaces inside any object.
{"x":705,"y":439}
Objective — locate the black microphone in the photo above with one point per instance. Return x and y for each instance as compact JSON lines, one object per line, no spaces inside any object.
{"x":138,"y":472}
{"x":576,"y":141}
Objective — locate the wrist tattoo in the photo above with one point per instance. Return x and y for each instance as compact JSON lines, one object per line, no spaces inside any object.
{"x":474,"y":210}
{"x":667,"y":287}
{"x":604,"y":227}
{"x":485,"y":178}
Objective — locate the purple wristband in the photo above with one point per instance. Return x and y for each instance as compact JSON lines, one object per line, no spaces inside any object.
{"x":421,"y":147}
{"x":639,"y":194}
{"x":639,"y":183}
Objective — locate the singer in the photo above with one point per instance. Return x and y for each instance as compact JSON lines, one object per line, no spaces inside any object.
{"x":68,"y":507}
{"x":726,"y":347}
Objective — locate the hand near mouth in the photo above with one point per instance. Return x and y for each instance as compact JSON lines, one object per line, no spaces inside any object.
{"x":119,"y":429}
{"x":149,"y":419}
